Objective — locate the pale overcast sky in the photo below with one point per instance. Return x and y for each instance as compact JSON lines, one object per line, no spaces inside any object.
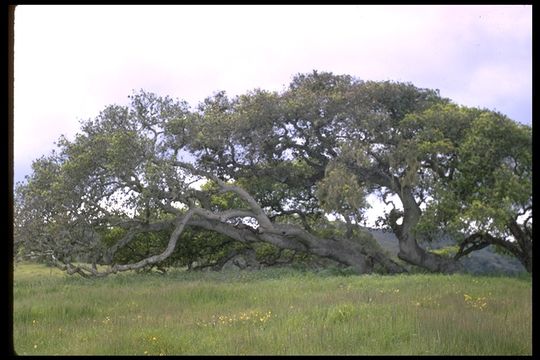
{"x":72,"y":61}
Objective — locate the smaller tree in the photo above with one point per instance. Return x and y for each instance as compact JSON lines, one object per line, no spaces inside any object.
{"x":483,"y":195}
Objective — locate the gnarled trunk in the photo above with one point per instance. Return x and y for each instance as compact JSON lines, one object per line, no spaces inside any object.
{"x":344,"y":251}
{"x":409,"y":250}
{"x":285,"y":236}
{"x":521,"y":248}
{"x":524,"y":241}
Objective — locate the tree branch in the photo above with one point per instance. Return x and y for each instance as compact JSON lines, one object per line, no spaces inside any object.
{"x":85,"y":271}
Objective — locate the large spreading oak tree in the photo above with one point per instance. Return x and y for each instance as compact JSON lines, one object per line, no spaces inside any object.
{"x":274,"y":165}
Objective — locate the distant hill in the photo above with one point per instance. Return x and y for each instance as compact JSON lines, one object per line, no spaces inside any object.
{"x":485,"y":261}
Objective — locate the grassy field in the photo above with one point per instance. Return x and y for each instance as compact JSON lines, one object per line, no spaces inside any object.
{"x":274,"y":311}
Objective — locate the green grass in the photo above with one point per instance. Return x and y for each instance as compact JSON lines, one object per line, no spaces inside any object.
{"x":274,"y":311}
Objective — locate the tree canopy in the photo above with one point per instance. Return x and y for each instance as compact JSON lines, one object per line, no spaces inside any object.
{"x":268,"y":167}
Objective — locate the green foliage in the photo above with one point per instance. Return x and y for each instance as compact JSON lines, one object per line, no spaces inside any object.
{"x":196,"y":248}
{"x":495,"y":171}
{"x":266,"y":252}
{"x":201,"y":248}
{"x":340,"y":193}
{"x":320,"y":146}
{"x":480,"y":177}
{"x":448,"y":251}
{"x":222,"y":200}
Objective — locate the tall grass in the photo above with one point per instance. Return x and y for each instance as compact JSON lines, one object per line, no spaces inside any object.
{"x":274,"y":311}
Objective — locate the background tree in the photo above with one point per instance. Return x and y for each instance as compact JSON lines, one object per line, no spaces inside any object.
{"x":486,"y":196}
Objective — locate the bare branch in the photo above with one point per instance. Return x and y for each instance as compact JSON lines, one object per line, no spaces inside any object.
{"x":88,"y":272}
{"x":476,"y":242}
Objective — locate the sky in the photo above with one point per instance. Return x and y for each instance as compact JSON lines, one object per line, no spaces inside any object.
{"x":70,"y":61}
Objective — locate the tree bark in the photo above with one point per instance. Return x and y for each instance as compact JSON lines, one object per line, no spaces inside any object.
{"x":521,"y":249}
{"x":524,"y":241}
{"x":290,"y":237}
{"x":409,"y":250}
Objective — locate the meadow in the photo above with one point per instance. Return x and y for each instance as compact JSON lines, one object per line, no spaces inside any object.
{"x":270,"y":312}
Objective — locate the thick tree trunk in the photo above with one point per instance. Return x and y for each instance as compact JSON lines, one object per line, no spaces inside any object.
{"x":412,"y":253}
{"x":409,"y":250}
{"x":290,"y":237}
{"x":524,"y":245}
{"x":527,"y":261}
{"x":293,"y":237}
